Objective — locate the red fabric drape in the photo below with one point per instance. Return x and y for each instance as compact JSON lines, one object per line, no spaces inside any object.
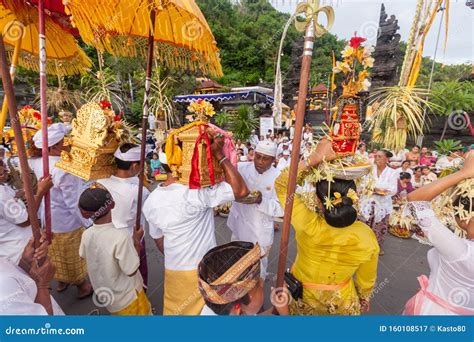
{"x":195,"y":177}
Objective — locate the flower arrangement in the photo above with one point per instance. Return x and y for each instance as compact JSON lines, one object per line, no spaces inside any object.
{"x":30,"y":117}
{"x":200,"y":110}
{"x":353,"y":54}
{"x":104,"y":104}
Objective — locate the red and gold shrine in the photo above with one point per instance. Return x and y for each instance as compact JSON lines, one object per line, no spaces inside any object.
{"x":346,"y":128}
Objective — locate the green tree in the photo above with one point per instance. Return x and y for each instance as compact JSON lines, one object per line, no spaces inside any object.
{"x":452,"y":95}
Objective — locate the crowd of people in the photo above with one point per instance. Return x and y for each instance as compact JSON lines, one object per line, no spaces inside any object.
{"x":96,"y":244}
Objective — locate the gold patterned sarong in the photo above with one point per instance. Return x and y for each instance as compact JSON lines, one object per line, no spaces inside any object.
{"x":139,"y":307}
{"x":182,"y":296}
{"x":64,"y":254}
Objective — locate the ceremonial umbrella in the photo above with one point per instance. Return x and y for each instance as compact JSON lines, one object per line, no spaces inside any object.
{"x":20,"y":27}
{"x":24,"y":30}
{"x":131,"y":28}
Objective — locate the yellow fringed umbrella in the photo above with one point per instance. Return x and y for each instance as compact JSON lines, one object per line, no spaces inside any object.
{"x":24,"y":27}
{"x":175,"y":30}
{"x":19,"y":24}
{"x":20,"y":28}
{"x":182,"y":36}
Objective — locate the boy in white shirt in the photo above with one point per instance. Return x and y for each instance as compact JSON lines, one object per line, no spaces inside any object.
{"x":112,"y":256}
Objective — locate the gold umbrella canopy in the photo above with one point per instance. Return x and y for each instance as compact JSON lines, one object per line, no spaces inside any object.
{"x":182,"y":36}
{"x":64,"y":56}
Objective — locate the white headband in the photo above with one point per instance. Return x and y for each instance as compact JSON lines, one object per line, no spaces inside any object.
{"x":56,"y":133}
{"x":268,"y":148}
{"x":132,"y":155}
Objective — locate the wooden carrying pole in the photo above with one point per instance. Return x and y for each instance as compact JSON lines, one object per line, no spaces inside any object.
{"x":146,"y":105}
{"x":44,"y":116}
{"x":16,"y":55}
{"x":300,"y":112}
{"x":15,"y":122}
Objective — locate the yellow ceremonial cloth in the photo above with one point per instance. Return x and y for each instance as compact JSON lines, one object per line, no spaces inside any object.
{"x":64,"y":254}
{"x":139,"y":307}
{"x":330,"y":256}
{"x":182,"y":296}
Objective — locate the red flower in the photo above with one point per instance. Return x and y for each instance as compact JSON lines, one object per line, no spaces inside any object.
{"x":117,"y":118}
{"x":356,"y":41}
{"x":50,"y":120}
{"x":37,"y":115}
{"x":104,"y":104}
{"x":199,"y":102}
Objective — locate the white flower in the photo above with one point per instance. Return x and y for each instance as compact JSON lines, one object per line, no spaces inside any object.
{"x":367,"y":51}
{"x":368,"y":62}
{"x":347,"y":52}
{"x":366,"y":85}
{"x":342,"y":66}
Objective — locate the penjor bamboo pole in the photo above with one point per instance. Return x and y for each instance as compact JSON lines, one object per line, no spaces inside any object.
{"x":146,"y":105}
{"x":16,"y":55}
{"x":44,"y":116}
{"x":20,"y":143}
{"x":300,"y":112}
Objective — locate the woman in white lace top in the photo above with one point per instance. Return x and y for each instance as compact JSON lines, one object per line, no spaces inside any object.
{"x":450,"y":287}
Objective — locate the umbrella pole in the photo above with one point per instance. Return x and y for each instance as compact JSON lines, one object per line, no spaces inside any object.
{"x":16,"y":55}
{"x":149,"y":68}
{"x":44,"y":116}
{"x":300,"y":112}
{"x":20,"y":143}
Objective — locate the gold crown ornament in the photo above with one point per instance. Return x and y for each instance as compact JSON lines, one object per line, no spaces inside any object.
{"x":96,"y":134}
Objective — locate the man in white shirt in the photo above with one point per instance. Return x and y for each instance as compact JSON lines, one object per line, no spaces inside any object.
{"x":185,"y":219}
{"x":25,"y":288}
{"x":66,"y":222}
{"x":254,"y":139}
{"x":151,"y":122}
{"x":284,"y":160}
{"x":15,"y":229}
{"x":123,"y":186}
{"x":253,"y":222}
{"x":284,"y":146}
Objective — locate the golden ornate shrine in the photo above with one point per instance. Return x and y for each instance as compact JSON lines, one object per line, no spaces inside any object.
{"x":187,"y":139}
{"x":94,"y":140}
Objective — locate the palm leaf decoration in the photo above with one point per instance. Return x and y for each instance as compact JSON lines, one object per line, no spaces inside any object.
{"x":160,"y":103}
{"x":60,"y":98}
{"x":398,"y":114}
{"x":102,"y":85}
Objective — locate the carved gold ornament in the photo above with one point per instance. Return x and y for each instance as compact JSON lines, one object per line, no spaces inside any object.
{"x":310,"y":11}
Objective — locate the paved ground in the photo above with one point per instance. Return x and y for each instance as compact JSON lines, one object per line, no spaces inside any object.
{"x":403,"y":261}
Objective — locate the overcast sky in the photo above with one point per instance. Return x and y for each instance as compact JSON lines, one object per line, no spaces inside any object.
{"x":363,"y":16}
